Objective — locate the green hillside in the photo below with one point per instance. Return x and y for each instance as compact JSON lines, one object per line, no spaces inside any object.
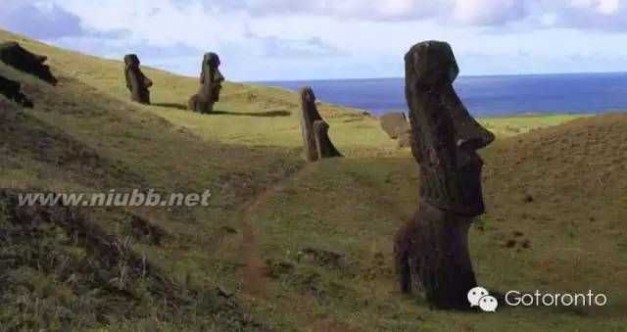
{"x":283,"y":245}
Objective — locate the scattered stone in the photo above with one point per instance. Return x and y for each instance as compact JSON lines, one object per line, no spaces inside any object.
{"x":13,"y":91}
{"x":394,"y":124}
{"x":228,"y":230}
{"x":276,"y":270}
{"x":325,"y":258}
{"x":14,"y":55}
{"x":224,"y":292}
{"x":433,"y":246}
{"x":136,"y":82}
{"x":528,"y":198}
{"x":315,"y":130}
{"x":211,"y":83}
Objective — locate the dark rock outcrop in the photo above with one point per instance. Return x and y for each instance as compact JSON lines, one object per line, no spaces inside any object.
{"x":211,"y":83}
{"x":317,"y":143}
{"x":13,"y":91}
{"x":136,"y":82}
{"x":433,"y":246}
{"x":14,"y":55}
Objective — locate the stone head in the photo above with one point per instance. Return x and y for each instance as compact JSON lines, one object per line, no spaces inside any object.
{"x":445,"y":137}
{"x":13,"y":54}
{"x":131,"y":61}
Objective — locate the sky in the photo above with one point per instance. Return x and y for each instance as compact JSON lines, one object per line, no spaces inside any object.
{"x":264,"y":40}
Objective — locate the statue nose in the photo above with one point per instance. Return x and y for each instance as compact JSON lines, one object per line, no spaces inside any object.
{"x":469,"y":134}
{"x":475,"y":143}
{"x":219,"y":77}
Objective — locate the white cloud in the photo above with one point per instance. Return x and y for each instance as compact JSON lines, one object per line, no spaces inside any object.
{"x":280,"y":39}
{"x":488,"y":12}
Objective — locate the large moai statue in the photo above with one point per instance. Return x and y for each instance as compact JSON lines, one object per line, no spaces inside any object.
{"x":433,"y":247}
{"x":210,"y":85}
{"x":14,"y":55}
{"x":136,"y":82}
{"x":315,"y":130}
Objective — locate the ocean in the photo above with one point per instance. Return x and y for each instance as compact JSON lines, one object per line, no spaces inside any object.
{"x":485,"y":95}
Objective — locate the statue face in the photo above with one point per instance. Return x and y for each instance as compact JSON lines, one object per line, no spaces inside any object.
{"x":445,"y":136}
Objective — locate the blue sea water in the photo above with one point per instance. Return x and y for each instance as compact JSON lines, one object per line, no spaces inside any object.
{"x":487,"y":95}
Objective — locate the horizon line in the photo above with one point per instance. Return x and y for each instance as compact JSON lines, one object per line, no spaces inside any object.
{"x":460,"y":76}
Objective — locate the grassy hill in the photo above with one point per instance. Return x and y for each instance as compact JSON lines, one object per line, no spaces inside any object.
{"x":284,"y":244}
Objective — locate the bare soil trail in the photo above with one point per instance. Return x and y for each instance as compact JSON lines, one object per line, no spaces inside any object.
{"x":254,"y":270}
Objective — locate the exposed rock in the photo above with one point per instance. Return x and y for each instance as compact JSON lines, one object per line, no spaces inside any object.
{"x":314,"y":129}
{"x":14,"y":55}
{"x":211,"y":83}
{"x":445,"y":138}
{"x":136,"y":82}
{"x":325,"y":258}
{"x":12,"y":90}
{"x":394,"y":124}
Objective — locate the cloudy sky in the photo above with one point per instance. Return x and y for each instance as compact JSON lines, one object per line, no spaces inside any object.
{"x":317,"y":39}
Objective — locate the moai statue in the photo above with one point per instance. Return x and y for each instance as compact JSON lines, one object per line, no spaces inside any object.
{"x":14,"y":55}
{"x":136,"y":82}
{"x":211,"y":83}
{"x":433,"y":247}
{"x":315,"y":129}
{"x":394,"y":124}
{"x":12,"y":91}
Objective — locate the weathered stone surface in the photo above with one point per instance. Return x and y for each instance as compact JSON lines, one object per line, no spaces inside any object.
{"x":211,"y":83}
{"x":12,"y":91}
{"x":394,"y":124}
{"x":314,"y":129}
{"x":404,"y":139}
{"x":136,"y":82}
{"x":14,"y":55}
{"x":433,"y":247}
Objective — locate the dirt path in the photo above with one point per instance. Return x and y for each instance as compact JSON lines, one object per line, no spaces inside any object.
{"x":254,"y":270}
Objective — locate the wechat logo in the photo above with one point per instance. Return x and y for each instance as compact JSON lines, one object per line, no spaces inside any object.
{"x":480,"y":297}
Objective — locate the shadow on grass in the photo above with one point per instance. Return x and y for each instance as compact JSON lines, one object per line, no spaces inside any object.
{"x":171,"y":105}
{"x":269,"y":114}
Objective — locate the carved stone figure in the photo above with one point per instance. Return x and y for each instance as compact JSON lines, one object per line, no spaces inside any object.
{"x":136,"y":82}
{"x":12,"y":90}
{"x":394,"y":124}
{"x":433,"y":247}
{"x":211,"y":83}
{"x":14,"y":55}
{"x":315,"y":129}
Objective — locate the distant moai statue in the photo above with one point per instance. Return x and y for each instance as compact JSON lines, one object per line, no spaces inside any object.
{"x":396,"y":126}
{"x":136,"y":82}
{"x":315,"y":130}
{"x":211,"y":83}
{"x":433,"y":246}
{"x":14,"y":55}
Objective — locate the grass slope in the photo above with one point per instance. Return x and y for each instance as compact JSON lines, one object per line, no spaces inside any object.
{"x":302,"y":247}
